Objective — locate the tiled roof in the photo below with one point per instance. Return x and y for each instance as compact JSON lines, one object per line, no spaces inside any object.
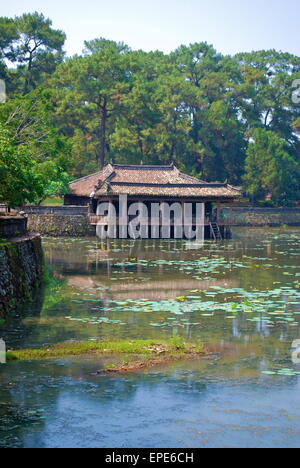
{"x":85,"y":186}
{"x":149,"y":181}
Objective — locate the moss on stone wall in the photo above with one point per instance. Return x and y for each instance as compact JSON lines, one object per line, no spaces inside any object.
{"x":61,"y":225}
{"x":21,"y":271}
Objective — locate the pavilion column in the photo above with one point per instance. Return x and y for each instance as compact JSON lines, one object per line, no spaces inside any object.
{"x":218,"y":212}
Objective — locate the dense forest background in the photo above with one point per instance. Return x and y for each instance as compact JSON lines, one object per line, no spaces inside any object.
{"x":220,"y":118}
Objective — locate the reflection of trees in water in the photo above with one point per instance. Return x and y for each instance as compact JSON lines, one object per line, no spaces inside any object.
{"x":163,"y":289}
{"x":84,"y":257}
{"x":27,"y":387}
{"x":34,"y":393}
{"x":25,"y":326}
{"x":14,"y":333}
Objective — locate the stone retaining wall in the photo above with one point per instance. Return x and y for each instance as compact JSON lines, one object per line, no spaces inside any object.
{"x":21,"y":270}
{"x":61,"y":225}
{"x":71,"y":225}
{"x":247,"y":216}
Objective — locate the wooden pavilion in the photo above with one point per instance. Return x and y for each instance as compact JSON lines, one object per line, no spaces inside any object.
{"x":153,"y":184}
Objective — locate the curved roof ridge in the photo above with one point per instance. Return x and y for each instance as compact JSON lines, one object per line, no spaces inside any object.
{"x":101,"y":172}
{"x":86,"y":177}
{"x":192,"y":178}
{"x":168,"y":184}
{"x":142,"y":167}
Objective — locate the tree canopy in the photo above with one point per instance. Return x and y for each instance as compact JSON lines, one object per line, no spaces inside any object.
{"x":220,"y":118}
{"x":30,"y":42}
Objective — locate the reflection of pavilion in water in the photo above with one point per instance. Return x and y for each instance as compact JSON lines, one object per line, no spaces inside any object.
{"x":93,"y":270}
{"x":152,"y":290}
{"x":102,"y":256}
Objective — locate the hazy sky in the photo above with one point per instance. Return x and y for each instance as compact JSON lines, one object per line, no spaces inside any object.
{"x":230,"y":25}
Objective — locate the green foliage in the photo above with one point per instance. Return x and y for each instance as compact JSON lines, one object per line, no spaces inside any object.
{"x":177,"y":341}
{"x":271,"y":168}
{"x":30,"y":42}
{"x":20,"y":182}
{"x":90,"y":93}
{"x":217,"y":117}
{"x":36,"y":150}
{"x":58,"y":187}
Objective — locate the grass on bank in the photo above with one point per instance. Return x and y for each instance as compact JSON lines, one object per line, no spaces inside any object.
{"x":175,"y":347}
{"x":53,"y":201}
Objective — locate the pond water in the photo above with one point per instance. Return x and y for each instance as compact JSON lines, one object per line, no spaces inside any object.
{"x":240,"y":297}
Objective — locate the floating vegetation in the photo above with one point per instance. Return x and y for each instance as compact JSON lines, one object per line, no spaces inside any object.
{"x":282,"y":372}
{"x":95,"y":320}
{"x":224,"y":291}
{"x":173,"y":347}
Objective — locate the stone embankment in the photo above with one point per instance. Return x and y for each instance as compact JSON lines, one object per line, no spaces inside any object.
{"x":21,"y":263}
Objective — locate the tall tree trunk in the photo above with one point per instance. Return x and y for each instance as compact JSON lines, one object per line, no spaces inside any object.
{"x":102,"y":137}
{"x":28,"y":75}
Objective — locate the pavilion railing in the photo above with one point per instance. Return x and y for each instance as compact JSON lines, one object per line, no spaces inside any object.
{"x":105,"y":220}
